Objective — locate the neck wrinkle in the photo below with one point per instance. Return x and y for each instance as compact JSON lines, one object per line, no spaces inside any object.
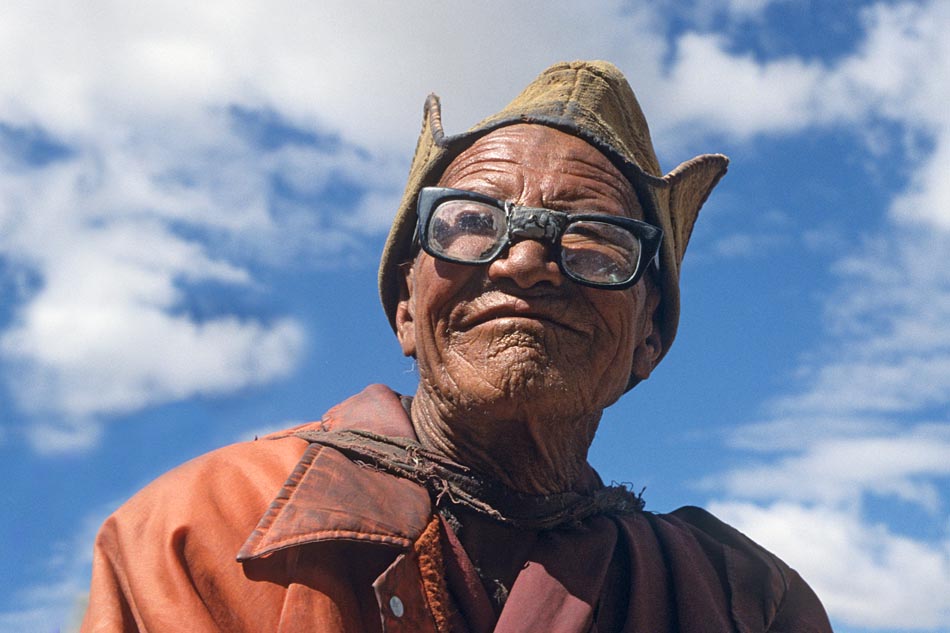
{"x":530,"y":457}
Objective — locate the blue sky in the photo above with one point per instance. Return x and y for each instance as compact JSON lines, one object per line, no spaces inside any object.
{"x":193,"y":199}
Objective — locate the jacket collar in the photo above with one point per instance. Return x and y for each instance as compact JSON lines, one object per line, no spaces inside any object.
{"x":317,"y":501}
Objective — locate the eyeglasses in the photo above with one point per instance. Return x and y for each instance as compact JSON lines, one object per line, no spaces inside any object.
{"x":593,"y":249}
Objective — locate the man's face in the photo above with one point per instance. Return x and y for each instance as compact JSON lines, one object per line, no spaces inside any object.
{"x":516,"y":332}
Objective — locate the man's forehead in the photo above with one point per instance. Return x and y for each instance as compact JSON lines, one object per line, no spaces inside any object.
{"x":525,"y":156}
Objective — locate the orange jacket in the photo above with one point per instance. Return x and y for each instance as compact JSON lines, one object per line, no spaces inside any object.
{"x":347,"y":548}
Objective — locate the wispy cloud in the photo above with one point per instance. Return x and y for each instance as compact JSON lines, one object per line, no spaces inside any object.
{"x":866,"y":414}
{"x":102,"y":331}
{"x":115,"y":236}
{"x":58,"y":603}
{"x":869,"y":417}
{"x":132,"y":172}
{"x":839,"y":471}
{"x":866,"y":574}
{"x":145,"y":164}
{"x":889,"y":317}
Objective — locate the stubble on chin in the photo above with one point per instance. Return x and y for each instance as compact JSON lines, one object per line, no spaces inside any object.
{"x":504,"y":365}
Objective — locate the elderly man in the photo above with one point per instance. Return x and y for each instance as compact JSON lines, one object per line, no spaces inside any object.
{"x":532,"y":271}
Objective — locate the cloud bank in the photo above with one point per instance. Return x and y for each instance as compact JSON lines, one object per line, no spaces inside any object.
{"x":143,"y":166}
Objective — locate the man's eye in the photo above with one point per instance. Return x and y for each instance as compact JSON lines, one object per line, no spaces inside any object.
{"x":475,"y":223}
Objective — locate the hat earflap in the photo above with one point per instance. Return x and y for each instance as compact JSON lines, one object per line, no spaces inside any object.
{"x":689,"y":186}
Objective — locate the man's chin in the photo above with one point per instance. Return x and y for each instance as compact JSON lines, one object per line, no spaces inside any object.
{"x":516,"y":379}
{"x":510,"y":370}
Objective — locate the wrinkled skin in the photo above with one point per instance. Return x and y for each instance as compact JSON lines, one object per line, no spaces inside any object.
{"x":516,"y":362}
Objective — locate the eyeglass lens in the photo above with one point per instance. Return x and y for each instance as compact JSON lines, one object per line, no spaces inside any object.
{"x":475,"y":232}
{"x":600,"y":252}
{"x":467,"y":231}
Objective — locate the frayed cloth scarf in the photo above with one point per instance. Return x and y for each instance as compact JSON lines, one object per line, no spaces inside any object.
{"x":451,"y":483}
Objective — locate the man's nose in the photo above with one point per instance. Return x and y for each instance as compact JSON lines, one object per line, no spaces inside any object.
{"x":527,"y":263}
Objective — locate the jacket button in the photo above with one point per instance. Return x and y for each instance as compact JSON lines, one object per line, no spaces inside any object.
{"x":396,"y":606}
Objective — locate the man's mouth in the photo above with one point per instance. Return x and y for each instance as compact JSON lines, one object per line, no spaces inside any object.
{"x":544,"y":311}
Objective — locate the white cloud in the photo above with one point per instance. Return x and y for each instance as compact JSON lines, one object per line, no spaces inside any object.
{"x":334,"y":65}
{"x":114,"y":233}
{"x":704,"y":15}
{"x":104,"y":332}
{"x":901,"y":71}
{"x":897,"y":73}
{"x":928,"y":198}
{"x":868,"y":416}
{"x":58,"y":603}
{"x":892,"y":348}
{"x":900,"y":63}
{"x":868,"y":411}
{"x":364,"y":72}
{"x":739,"y":96}
{"x":866,"y":575}
{"x":839,"y":471}
{"x":141,"y":99}
{"x":140,"y":95}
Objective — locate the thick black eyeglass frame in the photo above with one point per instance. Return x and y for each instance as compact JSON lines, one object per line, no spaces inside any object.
{"x":538,"y":223}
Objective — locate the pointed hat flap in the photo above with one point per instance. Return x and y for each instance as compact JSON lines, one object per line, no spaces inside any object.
{"x":678,"y":204}
{"x":689,"y":186}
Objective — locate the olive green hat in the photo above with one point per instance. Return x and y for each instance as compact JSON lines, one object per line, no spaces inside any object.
{"x":593,"y":101}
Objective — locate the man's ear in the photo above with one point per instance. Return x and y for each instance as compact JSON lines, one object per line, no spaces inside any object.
{"x":405,"y":312}
{"x":647,"y":352}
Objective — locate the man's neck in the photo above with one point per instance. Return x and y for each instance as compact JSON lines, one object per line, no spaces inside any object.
{"x":529,"y":455}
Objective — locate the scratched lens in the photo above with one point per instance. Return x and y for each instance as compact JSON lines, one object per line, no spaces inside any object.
{"x":466,"y":231}
{"x":599,"y":252}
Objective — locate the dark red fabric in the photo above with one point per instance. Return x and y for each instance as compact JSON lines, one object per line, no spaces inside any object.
{"x":474,"y":610}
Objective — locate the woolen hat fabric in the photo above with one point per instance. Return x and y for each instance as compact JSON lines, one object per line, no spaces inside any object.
{"x":593,"y":101}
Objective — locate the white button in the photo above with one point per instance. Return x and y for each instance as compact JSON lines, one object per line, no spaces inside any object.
{"x":396,"y":606}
